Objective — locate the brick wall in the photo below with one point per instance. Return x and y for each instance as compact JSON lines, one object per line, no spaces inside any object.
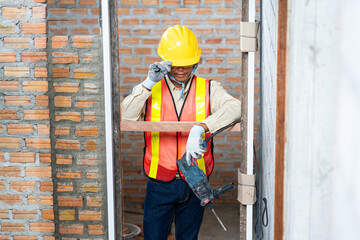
{"x":52,"y":148}
{"x":216,"y":25}
{"x":26,"y":186}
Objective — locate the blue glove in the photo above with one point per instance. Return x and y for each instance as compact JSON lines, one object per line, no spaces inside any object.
{"x":195,"y":144}
{"x":157,"y":71}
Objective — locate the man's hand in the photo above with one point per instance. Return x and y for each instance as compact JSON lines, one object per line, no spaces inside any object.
{"x":194,"y":145}
{"x":157,"y":71}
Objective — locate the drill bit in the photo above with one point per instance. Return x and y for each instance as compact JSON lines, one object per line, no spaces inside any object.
{"x":218,"y":219}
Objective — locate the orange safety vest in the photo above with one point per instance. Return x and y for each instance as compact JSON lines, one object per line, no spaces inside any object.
{"x":162,"y":149}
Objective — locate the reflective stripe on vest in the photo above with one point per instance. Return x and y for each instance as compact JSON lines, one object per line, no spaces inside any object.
{"x":163,"y":148}
{"x":200,"y":112}
{"x":155,"y":138}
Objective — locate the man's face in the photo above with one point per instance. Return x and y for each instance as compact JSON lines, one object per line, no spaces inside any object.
{"x":181,"y":73}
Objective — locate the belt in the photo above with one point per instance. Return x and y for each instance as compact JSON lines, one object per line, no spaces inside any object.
{"x":177,"y":176}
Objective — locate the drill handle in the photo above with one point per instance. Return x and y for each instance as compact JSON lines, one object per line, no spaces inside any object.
{"x":223,"y":190}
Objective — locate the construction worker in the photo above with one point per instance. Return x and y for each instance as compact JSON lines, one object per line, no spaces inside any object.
{"x":172,"y":92}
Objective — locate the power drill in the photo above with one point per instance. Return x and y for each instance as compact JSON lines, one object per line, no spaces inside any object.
{"x":199,"y":184}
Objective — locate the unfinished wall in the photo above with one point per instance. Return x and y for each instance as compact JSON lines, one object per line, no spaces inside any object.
{"x":52,"y":148}
{"x":26,"y":180}
{"x":311,"y":112}
{"x":216,"y":24}
{"x":269,"y":19}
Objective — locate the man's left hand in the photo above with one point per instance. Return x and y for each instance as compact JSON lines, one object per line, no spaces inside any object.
{"x":194,"y":145}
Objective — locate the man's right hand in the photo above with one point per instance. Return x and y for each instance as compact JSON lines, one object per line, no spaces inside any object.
{"x":157,"y":71}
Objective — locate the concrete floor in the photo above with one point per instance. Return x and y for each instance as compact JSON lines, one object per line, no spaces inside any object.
{"x":210,"y":228}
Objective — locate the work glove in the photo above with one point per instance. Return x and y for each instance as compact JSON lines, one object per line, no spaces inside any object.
{"x":195,"y":144}
{"x":157,"y":71}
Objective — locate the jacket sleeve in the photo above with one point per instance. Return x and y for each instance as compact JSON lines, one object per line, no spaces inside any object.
{"x":225,"y":109}
{"x":132,"y":108}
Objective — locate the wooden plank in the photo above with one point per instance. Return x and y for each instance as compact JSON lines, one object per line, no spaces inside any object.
{"x":164,"y":126}
{"x":115,"y":76}
{"x":244,"y":118}
{"x":280,"y":121}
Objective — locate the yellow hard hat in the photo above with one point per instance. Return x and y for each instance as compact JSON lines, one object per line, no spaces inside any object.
{"x":178,"y":44}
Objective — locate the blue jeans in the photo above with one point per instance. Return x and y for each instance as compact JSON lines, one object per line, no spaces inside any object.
{"x":163,"y":202}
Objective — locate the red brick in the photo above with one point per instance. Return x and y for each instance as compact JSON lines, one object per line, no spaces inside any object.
{"x":71,"y":229}
{"x":33,"y":86}
{"x":71,"y":116}
{"x":41,"y":100}
{"x":42,"y":227}
{"x":90,"y":187}
{"x":59,"y":41}
{"x":195,"y":2}
{"x":61,"y":72}
{"x":150,"y":2}
{"x":39,"y":114}
{"x":67,"y":2}
{"x":62,"y":101}
{"x":88,"y":2}
{"x":25,"y":238}
{"x":79,"y":10}
{"x":80,"y":31}
{"x":10,"y":171}
{"x":10,"y":199}
{"x":22,"y":157}
{"x":90,"y":131}
{"x":7,"y":142}
{"x":95,"y":229}
{"x":62,"y":57}
{"x":43,"y":129}
{"x":4,"y":214}
{"x":40,"y":42}
{"x":126,"y":2}
{"x":82,"y":74}
{"x":9,"y":85}
{"x":82,"y":41}
{"x":67,"y":144}
{"x":17,"y":100}
{"x":91,"y":160}
{"x":37,"y":142}
{"x":19,"y":128}
{"x":40,"y":72}
{"x":25,"y":214}
{"x":2,"y":188}
{"x":69,"y":201}
{"x":91,"y":145}
{"x":86,"y":215}
{"x":68,"y":174}
{"x":21,"y":185}
{"x":34,"y":28}
{"x":13,"y":13}
{"x":89,"y":116}
{"x":45,"y":157}
{"x":12,"y":227}
{"x":40,"y":200}
{"x":66,"y":214}
{"x":16,"y":71}
{"x":39,"y":12}
{"x":33,"y":56}
{"x":65,"y":187}
{"x":62,"y":131}
{"x":93,"y":201}
{"x":38,"y":171}
{"x":47,"y":214}
{"x":90,"y":21}
{"x":7,"y":57}
{"x":46,"y":186}
{"x":130,"y":21}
